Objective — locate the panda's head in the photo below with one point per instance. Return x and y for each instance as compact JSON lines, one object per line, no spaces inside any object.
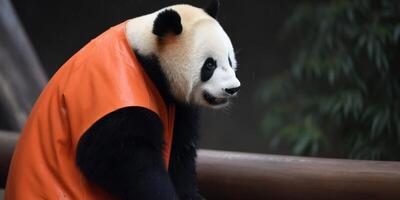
{"x":194,"y":53}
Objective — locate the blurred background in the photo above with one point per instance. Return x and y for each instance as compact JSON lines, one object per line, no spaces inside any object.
{"x":319,"y":78}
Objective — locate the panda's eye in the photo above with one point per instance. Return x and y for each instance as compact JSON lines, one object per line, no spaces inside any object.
{"x":210,"y":64}
{"x":208,"y":69}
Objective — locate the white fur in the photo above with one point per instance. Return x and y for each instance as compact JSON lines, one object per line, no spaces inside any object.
{"x":182,"y":57}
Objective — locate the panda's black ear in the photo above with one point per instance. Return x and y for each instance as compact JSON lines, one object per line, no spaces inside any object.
{"x":213,"y":8}
{"x":167,"y":21}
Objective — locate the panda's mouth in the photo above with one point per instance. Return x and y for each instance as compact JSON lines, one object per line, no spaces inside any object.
{"x":212,"y":100}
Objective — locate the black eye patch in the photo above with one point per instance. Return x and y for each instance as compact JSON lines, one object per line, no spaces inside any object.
{"x":208,"y":69}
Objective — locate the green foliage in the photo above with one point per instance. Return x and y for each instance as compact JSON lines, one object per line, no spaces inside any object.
{"x":342,"y":94}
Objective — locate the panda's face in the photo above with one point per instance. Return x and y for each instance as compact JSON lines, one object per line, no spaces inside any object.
{"x":194,"y":52}
{"x":214,"y":66}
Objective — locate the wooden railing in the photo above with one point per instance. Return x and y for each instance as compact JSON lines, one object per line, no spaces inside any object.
{"x":233,"y":175}
{"x":245,"y":176}
{"x":7,"y":143}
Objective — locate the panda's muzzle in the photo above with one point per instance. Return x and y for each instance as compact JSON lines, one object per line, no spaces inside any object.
{"x":212,"y":100}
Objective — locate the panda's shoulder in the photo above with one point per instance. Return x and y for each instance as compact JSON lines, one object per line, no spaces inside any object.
{"x":127,"y":119}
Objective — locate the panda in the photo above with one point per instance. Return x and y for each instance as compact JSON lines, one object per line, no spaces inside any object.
{"x":120,"y":119}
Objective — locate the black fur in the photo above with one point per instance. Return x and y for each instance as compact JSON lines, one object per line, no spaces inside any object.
{"x":183,"y":154}
{"x":167,"y":21}
{"x":153,"y":69}
{"x":208,"y":69}
{"x":213,"y":9}
{"x":122,"y":153}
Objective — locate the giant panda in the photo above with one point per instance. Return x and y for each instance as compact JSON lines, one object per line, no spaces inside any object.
{"x":120,"y":119}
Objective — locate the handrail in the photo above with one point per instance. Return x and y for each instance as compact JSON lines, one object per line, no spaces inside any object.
{"x":233,"y":175}
{"x":7,"y":144}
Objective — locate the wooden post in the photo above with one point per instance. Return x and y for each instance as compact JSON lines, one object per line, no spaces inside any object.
{"x":21,"y":75}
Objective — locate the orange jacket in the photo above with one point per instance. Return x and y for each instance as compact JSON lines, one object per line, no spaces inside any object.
{"x":102,"y":77}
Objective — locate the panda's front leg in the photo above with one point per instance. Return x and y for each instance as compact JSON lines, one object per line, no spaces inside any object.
{"x":182,"y":167}
{"x":122,"y":153}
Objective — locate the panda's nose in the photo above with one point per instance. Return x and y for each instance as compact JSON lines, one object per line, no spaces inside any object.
{"x":232,"y":91}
